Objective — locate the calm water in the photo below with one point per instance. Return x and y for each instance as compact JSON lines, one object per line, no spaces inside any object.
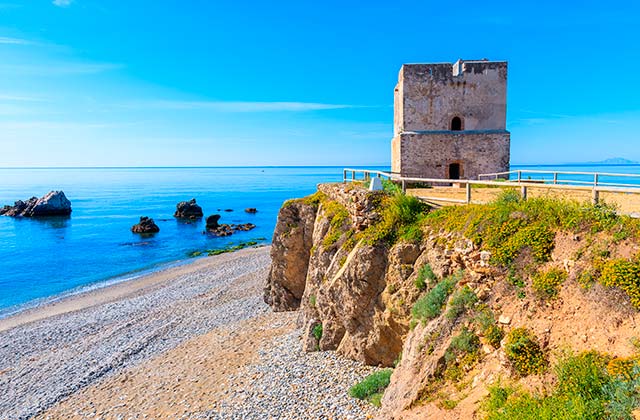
{"x":41,"y":258}
{"x":44,"y":258}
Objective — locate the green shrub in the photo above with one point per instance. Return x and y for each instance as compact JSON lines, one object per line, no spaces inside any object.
{"x":425,"y":277}
{"x":488,"y":328}
{"x":625,"y":275}
{"x":546,"y":283}
{"x":317,"y":332}
{"x":401,"y":217}
{"x":584,"y":390}
{"x":524,"y":352}
{"x":430,"y":305}
{"x":391,"y":187}
{"x":338,"y":217}
{"x":461,"y":301}
{"x":372,"y":387}
{"x":509,"y":225}
{"x":462,"y":353}
{"x":312,"y":300}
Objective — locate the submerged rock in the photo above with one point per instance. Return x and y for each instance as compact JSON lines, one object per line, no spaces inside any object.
{"x":54,"y":203}
{"x":146,"y":225}
{"x":251,"y":210}
{"x":188,"y":210}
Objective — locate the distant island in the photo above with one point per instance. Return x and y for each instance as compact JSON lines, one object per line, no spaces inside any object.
{"x":615,"y":161}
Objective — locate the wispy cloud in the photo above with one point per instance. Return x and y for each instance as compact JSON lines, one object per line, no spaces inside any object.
{"x":62,"y":3}
{"x":242,"y":106}
{"x":14,"y":41}
{"x":59,"y":68}
{"x":19,"y":98}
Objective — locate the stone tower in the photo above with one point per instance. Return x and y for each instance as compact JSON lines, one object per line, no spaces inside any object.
{"x":450,"y":120}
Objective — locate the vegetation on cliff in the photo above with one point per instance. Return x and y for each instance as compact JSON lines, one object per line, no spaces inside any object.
{"x":479,"y":296}
{"x":588,"y":386}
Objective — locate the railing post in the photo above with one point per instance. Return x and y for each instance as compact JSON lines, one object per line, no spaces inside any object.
{"x":523,"y":192}
{"x":404,"y":186}
{"x":353,"y":176}
{"x":595,"y":180}
{"x":344,"y":176}
{"x":595,"y":196}
{"x":519,"y":175}
{"x":555,"y":177}
{"x":468,"y":193}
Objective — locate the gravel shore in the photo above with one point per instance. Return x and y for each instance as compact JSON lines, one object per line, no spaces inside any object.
{"x":196,"y":342}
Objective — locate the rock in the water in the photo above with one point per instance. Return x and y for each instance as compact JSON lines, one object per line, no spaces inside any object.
{"x":221,"y":230}
{"x":54,"y":203}
{"x":188,"y":210}
{"x":217,"y":229}
{"x":244,"y":227}
{"x":146,"y":225}
{"x":251,"y":210}
{"x":228,"y":210}
{"x":212,"y":221}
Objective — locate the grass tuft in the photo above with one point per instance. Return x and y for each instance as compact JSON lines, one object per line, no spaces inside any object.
{"x":372,"y":387}
{"x":430,"y":305}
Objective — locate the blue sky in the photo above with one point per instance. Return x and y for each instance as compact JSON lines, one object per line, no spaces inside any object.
{"x":113,"y":83}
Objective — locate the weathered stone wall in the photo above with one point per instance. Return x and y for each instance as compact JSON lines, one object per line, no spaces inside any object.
{"x":428,"y":96}
{"x":428,"y":155}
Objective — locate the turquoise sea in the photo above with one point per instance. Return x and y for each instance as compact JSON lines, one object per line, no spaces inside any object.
{"x":41,"y":259}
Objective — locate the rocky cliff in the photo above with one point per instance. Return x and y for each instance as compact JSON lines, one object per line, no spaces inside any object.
{"x":465,"y":302}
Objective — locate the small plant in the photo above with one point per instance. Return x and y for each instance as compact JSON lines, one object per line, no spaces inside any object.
{"x":546,"y":283}
{"x":338,"y":216}
{"x":625,"y":275}
{"x":372,"y":387}
{"x":317,"y":332}
{"x":425,"y":277}
{"x":401,"y":219}
{"x":461,"y":302}
{"x":488,"y":328}
{"x":430,"y":305}
{"x":461,"y":354}
{"x":312,"y":301}
{"x":524,"y":352}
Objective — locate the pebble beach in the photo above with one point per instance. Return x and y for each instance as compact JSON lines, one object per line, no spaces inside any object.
{"x":194,"y":341}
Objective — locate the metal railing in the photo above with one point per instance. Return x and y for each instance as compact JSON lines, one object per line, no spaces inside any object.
{"x":596,"y":186}
{"x":563,"y":177}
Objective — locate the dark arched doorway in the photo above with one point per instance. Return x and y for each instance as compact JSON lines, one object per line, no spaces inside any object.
{"x":456,"y":124}
{"x":454,"y":171}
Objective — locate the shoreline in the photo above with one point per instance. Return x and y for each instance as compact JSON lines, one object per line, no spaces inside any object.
{"x":104,"y":291}
{"x":195,"y":341}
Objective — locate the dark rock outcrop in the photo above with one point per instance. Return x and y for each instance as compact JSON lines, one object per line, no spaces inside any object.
{"x":212,"y":221}
{"x":146,"y":225}
{"x":54,"y":203}
{"x":251,"y":210}
{"x":188,"y":210}
{"x":244,"y":226}
{"x":217,"y":229}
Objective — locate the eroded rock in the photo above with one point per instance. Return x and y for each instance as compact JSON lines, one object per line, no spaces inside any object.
{"x":54,"y":203}
{"x":188,"y":210}
{"x":146,"y":225}
{"x":292,"y":241}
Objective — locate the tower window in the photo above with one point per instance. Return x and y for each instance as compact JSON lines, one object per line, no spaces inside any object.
{"x":456,"y":124}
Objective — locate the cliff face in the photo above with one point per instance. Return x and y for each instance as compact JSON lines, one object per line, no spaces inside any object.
{"x":440,"y":308}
